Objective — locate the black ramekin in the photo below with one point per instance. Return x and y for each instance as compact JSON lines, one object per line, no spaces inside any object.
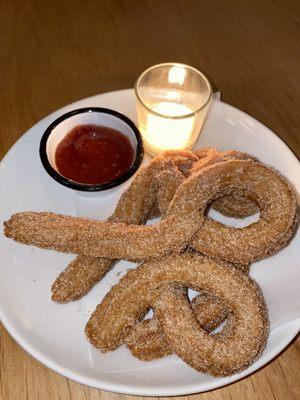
{"x":139,"y":151}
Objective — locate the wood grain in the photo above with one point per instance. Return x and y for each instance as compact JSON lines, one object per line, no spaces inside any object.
{"x":53,"y":53}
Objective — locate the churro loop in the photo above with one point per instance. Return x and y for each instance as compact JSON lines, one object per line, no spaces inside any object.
{"x":276,"y":201}
{"x":169,"y":180}
{"x":151,"y":285}
{"x":146,"y":340}
{"x":152,"y":189}
{"x":234,"y":205}
{"x":184,"y":219}
{"x":224,"y":353}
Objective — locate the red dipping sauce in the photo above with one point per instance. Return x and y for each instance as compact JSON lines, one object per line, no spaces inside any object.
{"x":94,"y":154}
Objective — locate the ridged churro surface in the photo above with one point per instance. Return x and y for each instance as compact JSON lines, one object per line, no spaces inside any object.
{"x":134,"y":207}
{"x":148,"y":196}
{"x":146,"y":340}
{"x":184,"y":223}
{"x":179,"y":186}
{"x":151,"y":285}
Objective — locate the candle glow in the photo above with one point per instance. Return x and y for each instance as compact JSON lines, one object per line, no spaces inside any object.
{"x":172,"y":102}
{"x":163,"y":133}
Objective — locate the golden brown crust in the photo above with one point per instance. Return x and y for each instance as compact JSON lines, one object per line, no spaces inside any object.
{"x":180,"y":186}
{"x":185,"y":217}
{"x":209,"y":311}
{"x":146,"y":340}
{"x":169,"y":171}
{"x":79,"y":278}
{"x":168,"y":182}
{"x":277,"y":202}
{"x":151,"y":285}
{"x":235,"y":206}
{"x":238,"y":345}
{"x":133,"y":208}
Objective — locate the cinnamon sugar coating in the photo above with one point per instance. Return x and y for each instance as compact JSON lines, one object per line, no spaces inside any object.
{"x":79,"y":277}
{"x":146,"y":340}
{"x":277,"y":203}
{"x":179,"y":186}
{"x":134,"y":207}
{"x":235,"y":205}
{"x":184,"y":223}
{"x":148,"y":196}
{"x":151,"y":285}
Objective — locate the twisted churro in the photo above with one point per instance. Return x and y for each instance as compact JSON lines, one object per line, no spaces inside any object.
{"x":151,"y":285}
{"x":113,"y":240}
{"x":133,"y":207}
{"x":185,"y":218}
{"x":235,"y":205}
{"x":169,"y":171}
{"x":179,"y":186}
{"x":277,"y":203}
{"x":234,"y":349}
{"x":146,"y":340}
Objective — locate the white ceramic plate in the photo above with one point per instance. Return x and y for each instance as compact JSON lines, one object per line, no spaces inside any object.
{"x":54,"y":334}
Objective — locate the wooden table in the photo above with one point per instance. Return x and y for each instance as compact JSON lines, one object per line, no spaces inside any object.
{"x":53,"y":53}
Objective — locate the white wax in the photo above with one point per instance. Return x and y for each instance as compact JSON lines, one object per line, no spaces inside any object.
{"x":164,"y":133}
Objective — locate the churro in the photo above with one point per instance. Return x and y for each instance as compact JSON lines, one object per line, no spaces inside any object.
{"x":161,"y":178}
{"x":146,"y":340}
{"x":151,"y":285}
{"x":184,"y":223}
{"x":134,"y":207}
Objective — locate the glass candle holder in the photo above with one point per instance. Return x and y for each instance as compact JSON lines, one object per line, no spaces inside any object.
{"x":172,"y":103}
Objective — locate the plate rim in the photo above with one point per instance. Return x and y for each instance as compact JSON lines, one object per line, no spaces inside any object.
{"x":149,"y":392}
{"x":124,"y":389}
